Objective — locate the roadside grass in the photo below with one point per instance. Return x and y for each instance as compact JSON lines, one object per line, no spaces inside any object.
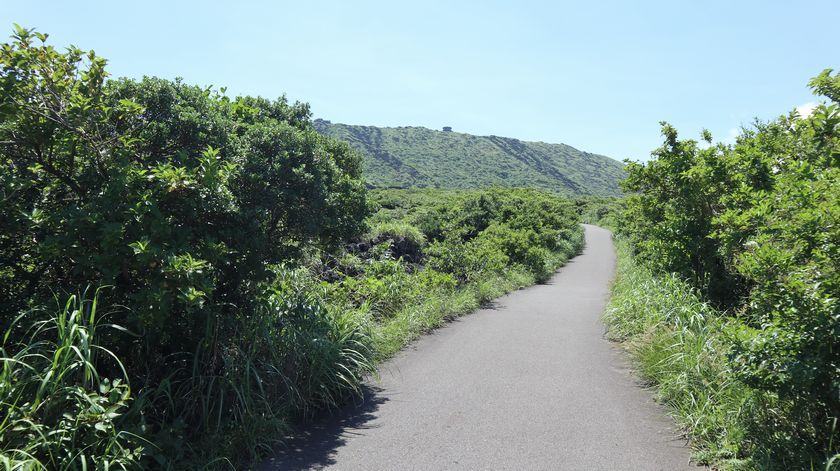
{"x":678,"y":345}
{"x":392,"y":334}
{"x":683,"y":348}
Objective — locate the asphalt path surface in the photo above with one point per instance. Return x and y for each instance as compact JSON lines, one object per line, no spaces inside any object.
{"x":529,"y":383}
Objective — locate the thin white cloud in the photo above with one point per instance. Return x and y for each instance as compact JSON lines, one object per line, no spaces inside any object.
{"x":806,"y":109}
{"x":731,"y":135}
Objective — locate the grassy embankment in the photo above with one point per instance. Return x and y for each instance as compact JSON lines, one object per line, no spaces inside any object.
{"x":731,"y":306}
{"x":683,"y":348}
{"x":678,"y":345}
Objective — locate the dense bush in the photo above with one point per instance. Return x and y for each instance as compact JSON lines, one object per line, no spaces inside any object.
{"x":754,"y":226}
{"x":433,"y":240}
{"x":604,"y":212}
{"x":483,"y":232}
{"x":234,"y":242}
{"x":183,"y":201}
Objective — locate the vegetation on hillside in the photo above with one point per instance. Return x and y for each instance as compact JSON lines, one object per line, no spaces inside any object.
{"x":600,"y":211}
{"x":185,"y":274}
{"x":746,"y":343}
{"x":416,"y":157}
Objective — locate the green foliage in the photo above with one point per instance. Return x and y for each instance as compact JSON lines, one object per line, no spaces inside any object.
{"x":792,"y":264}
{"x":480,"y":233}
{"x":754,"y":226}
{"x":471,"y":236}
{"x":58,"y":411}
{"x":232,"y":237}
{"x":181,"y":211}
{"x":182,"y":199}
{"x":415,"y":157}
{"x":604,"y":212}
{"x":405,"y":239}
{"x":385,"y":286}
{"x":184,"y":208}
{"x":675,"y":196}
{"x":680,"y":345}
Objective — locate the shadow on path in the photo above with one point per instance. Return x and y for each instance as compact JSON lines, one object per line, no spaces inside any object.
{"x":315,"y":443}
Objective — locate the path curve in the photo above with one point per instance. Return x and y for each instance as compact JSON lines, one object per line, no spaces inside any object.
{"x":529,"y":384}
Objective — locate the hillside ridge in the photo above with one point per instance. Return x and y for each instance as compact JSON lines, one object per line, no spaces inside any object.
{"x":419,"y":157}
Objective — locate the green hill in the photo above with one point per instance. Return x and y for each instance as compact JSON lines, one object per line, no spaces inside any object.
{"x":416,"y":157}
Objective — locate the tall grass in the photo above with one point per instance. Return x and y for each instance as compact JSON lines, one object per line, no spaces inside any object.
{"x":294,"y":354}
{"x":58,"y":411}
{"x":682,"y":347}
{"x":677,"y":343}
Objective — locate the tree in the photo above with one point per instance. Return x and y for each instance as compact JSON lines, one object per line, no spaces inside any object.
{"x":178,"y":197}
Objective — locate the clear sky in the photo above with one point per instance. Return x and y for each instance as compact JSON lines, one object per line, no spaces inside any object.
{"x":596,"y":75}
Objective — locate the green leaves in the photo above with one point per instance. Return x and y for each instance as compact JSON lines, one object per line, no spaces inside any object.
{"x":826,"y":84}
{"x":179,"y":197}
{"x":756,"y":227}
{"x":59,"y":411}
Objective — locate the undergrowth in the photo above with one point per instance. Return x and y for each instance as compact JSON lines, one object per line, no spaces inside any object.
{"x":255,"y":278}
{"x":683,"y":348}
{"x":57,"y":410}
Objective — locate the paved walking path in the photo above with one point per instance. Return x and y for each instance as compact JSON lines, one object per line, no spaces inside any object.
{"x":529,"y":384}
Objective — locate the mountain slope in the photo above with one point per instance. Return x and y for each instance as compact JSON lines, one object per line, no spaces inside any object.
{"x":421,"y":157}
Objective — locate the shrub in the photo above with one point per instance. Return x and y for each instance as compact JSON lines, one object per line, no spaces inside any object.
{"x":467,"y":261}
{"x":182,"y":199}
{"x":177,"y":196}
{"x":406,"y":240}
{"x":523,"y":247}
{"x":754,"y":227}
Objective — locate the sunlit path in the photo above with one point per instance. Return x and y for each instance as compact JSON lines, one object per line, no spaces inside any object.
{"x":529,"y":383}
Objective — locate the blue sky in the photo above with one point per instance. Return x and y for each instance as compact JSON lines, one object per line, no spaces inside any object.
{"x":596,"y":75}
